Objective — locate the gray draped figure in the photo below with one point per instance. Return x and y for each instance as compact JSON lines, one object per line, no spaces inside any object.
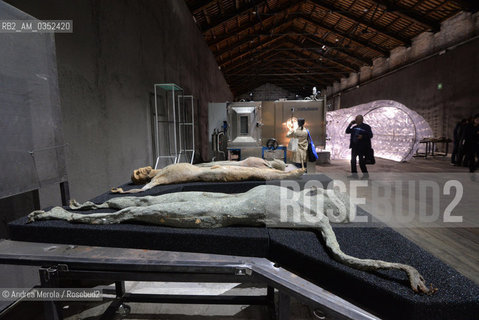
{"x":266,"y":205}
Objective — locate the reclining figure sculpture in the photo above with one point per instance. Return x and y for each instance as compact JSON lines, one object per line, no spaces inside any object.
{"x":265,"y":205}
{"x":185,"y":172}
{"x":145,"y":174}
{"x":252,"y":162}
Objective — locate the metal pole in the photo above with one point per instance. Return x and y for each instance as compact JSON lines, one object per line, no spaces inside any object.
{"x":192,"y":129}
{"x":284,"y":302}
{"x":49,"y":279}
{"x":157,"y":140}
{"x":174,"y":123}
{"x":179,"y":128}
{"x":65,"y":193}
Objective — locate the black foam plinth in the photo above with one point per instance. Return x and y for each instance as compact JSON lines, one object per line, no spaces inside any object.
{"x":385,"y":293}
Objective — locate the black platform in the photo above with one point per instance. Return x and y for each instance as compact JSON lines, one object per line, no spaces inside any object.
{"x":384,"y":293}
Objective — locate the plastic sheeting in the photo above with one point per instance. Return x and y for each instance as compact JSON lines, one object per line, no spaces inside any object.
{"x":31,"y":136}
{"x":397,"y":130}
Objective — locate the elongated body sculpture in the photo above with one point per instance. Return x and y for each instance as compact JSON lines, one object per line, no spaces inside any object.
{"x":252,"y":162}
{"x":267,"y":205}
{"x":185,"y":172}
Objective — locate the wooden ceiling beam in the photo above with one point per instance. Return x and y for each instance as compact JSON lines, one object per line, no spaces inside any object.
{"x":334,"y":46}
{"x":468,"y":5}
{"x":245,"y":64}
{"x":288,"y":85}
{"x":370,"y":24}
{"x":407,"y":13}
{"x":244,"y":88}
{"x":303,"y":79}
{"x":343,"y":34}
{"x":247,"y":59}
{"x":203,"y":5}
{"x":343,"y":50}
{"x":272,"y":15}
{"x":322,"y":68}
{"x":207,"y":16}
{"x":239,"y":44}
{"x":335,"y":75}
{"x":249,"y":52}
{"x":344,"y":64}
{"x":321,"y":79}
{"x":245,"y":10}
{"x":288,"y":72}
{"x":248,"y":87}
{"x":293,"y":83}
{"x":341,"y":62}
{"x":311,"y":41}
{"x":262,"y":67}
{"x":270,"y":53}
{"x":313,"y":56}
{"x":267,"y":55}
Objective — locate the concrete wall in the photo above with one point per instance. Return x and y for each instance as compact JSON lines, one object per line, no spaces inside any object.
{"x":436,"y":76}
{"x":419,"y":88}
{"x":107,"y":68}
{"x":267,"y":92}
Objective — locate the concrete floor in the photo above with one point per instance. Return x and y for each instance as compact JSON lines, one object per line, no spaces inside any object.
{"x":189,"y":311}
{"x":457,"y":244}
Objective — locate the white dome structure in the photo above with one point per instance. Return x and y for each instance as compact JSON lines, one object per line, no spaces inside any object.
{"x":397,"y":130}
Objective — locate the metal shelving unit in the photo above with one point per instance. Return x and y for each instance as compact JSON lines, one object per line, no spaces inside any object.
{"x":186,"y":121}
{"x":167,"y":102}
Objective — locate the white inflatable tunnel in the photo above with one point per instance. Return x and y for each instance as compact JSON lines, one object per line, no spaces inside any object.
{"x":397,"y":130}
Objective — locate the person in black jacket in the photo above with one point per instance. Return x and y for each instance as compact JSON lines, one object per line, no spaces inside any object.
{"x":471,"y":142}
{"x":457,"y":153}
{"x":360,"y":143}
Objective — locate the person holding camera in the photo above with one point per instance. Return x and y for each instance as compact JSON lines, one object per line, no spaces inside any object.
{"x":360,"y":144}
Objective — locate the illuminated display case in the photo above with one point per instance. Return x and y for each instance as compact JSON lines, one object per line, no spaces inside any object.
{"x":397,"y":130}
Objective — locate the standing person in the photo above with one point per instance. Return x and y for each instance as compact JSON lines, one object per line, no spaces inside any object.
{"x":471,"y":142}
{"x":458,"y":151}
{"x":299,"y":156}
{"x":360,"y":144}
